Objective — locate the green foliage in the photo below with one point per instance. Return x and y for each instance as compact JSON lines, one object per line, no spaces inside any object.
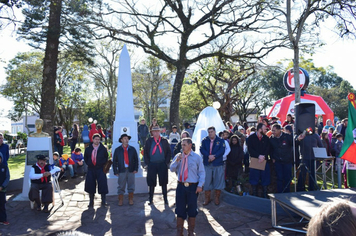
{"x":97,"y":109}
{"x":191,"y":102}
{"x":21,"y":135}
{"x":161,"y":117}
{"x":152,"y":87}
{"x":23,"y":83}
{"x":75,"y":38}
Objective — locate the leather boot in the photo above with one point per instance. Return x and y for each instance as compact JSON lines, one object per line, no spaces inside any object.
{"x":91,"y":200}
{"x":103,"y":200}
{"x":265,"y":188}
{"x":180,"y":223}
{"x":191,"y":226}
{"x":121,"y":200}
{"x":130,"y":199}
{"x":207,"y":197}
{"x":164,"y":192}
{"x":217,"y":197}
{"x":150,"y":198}
{"x":254,"y":190}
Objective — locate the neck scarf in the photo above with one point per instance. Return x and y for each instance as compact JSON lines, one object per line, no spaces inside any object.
{"x":43,"y":179}
{"x":93,"y":154}
{"x":184,"y":168}
{"x":126,"y":155}
{"x":157,"y":145}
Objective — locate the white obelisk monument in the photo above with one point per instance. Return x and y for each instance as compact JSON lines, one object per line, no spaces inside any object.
{"x":125,"y":122}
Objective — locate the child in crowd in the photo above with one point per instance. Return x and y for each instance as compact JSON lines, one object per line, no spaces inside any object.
{"x":78,"y":159}
{"x":174,"y":139}
{"x":66,"y":163}
{"x":4,"y":181}
{"x":234,"y":163}
{"x":56,"y":159}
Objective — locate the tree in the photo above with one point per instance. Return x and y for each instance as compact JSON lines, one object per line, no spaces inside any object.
{"x":272,"y":77}
{"x":23,"y":83}
{"x":308,"y":16}
{"x":104,"y":72}
{"x":7,"y":12}
{"x":71,"y":87}
{"x":45,"y":24}
{"x":218,"y":79}
{"x":252,"y":97}
{"x":191,"y":102}
{"x":200,"y":29}
{"x":151,"y":87}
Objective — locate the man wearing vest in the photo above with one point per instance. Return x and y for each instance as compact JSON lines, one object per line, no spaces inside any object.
{"x":191,"y":176}
{"x":157,"y":155}
{"x":96,"y":155}
{"x":40,"y":176}
{"x":125,"y":166}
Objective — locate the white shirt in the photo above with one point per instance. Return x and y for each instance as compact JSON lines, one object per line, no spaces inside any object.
{"x":33,"y":175}
{"x":227,"y":150}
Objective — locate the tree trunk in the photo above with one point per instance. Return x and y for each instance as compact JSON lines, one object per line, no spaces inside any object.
{"x":177,"y":88}
{"x":50,"y":67}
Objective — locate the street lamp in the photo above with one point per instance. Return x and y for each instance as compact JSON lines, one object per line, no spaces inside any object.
{"x":90,"y":119}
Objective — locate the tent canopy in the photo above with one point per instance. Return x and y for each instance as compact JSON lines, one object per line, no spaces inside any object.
{"x":285,"y":106}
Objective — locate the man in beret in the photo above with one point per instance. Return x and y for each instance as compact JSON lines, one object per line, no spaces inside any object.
{"x":125,"y":166}
{"x":40,"y":176}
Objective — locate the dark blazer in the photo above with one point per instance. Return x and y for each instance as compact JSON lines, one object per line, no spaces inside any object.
{"x":119,"y":160}
{"x":218,"y":150}
{"x":256,"y":147}
{"x":282,"y":148}
{"x":165,"y":146}
{"x":102,"y":156}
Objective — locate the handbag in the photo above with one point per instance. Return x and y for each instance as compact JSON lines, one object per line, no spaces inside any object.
{"x":107,"y":166}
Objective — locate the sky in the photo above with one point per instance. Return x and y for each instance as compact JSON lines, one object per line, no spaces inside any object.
{"x":337,"y":52}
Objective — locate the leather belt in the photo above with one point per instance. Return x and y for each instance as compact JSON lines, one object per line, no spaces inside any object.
{"x":186,"y":184}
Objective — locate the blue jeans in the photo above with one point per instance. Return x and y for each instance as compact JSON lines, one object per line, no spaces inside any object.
{"x":70,"y":168}
{"x":186,"y":201}
{"x":284,"y":175}
{"x":263,"y":175}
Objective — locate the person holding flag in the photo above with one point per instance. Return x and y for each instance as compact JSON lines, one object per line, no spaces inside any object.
{"x":348,"y":151}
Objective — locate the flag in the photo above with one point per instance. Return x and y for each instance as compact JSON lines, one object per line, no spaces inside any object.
{"x":348,"y":151}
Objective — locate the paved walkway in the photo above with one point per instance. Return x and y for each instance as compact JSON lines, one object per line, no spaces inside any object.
{"x":140,"y":219}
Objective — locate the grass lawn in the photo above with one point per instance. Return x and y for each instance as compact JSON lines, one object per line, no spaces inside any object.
{"x":17,"y":163}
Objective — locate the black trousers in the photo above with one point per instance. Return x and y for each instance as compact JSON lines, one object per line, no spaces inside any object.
{"x":47,"y":192}
{"x":155,"y":169}
{"x":3,"y":216}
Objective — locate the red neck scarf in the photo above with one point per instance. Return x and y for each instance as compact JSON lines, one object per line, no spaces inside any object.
{"x":126,"y":155}
{"x":184,"y":168}
{"x":93,"y":154}
{"x":157,"y":145}
{"x":43,"y":179}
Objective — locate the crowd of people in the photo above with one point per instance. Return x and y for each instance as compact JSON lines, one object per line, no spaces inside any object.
{"x":218,"y":164}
